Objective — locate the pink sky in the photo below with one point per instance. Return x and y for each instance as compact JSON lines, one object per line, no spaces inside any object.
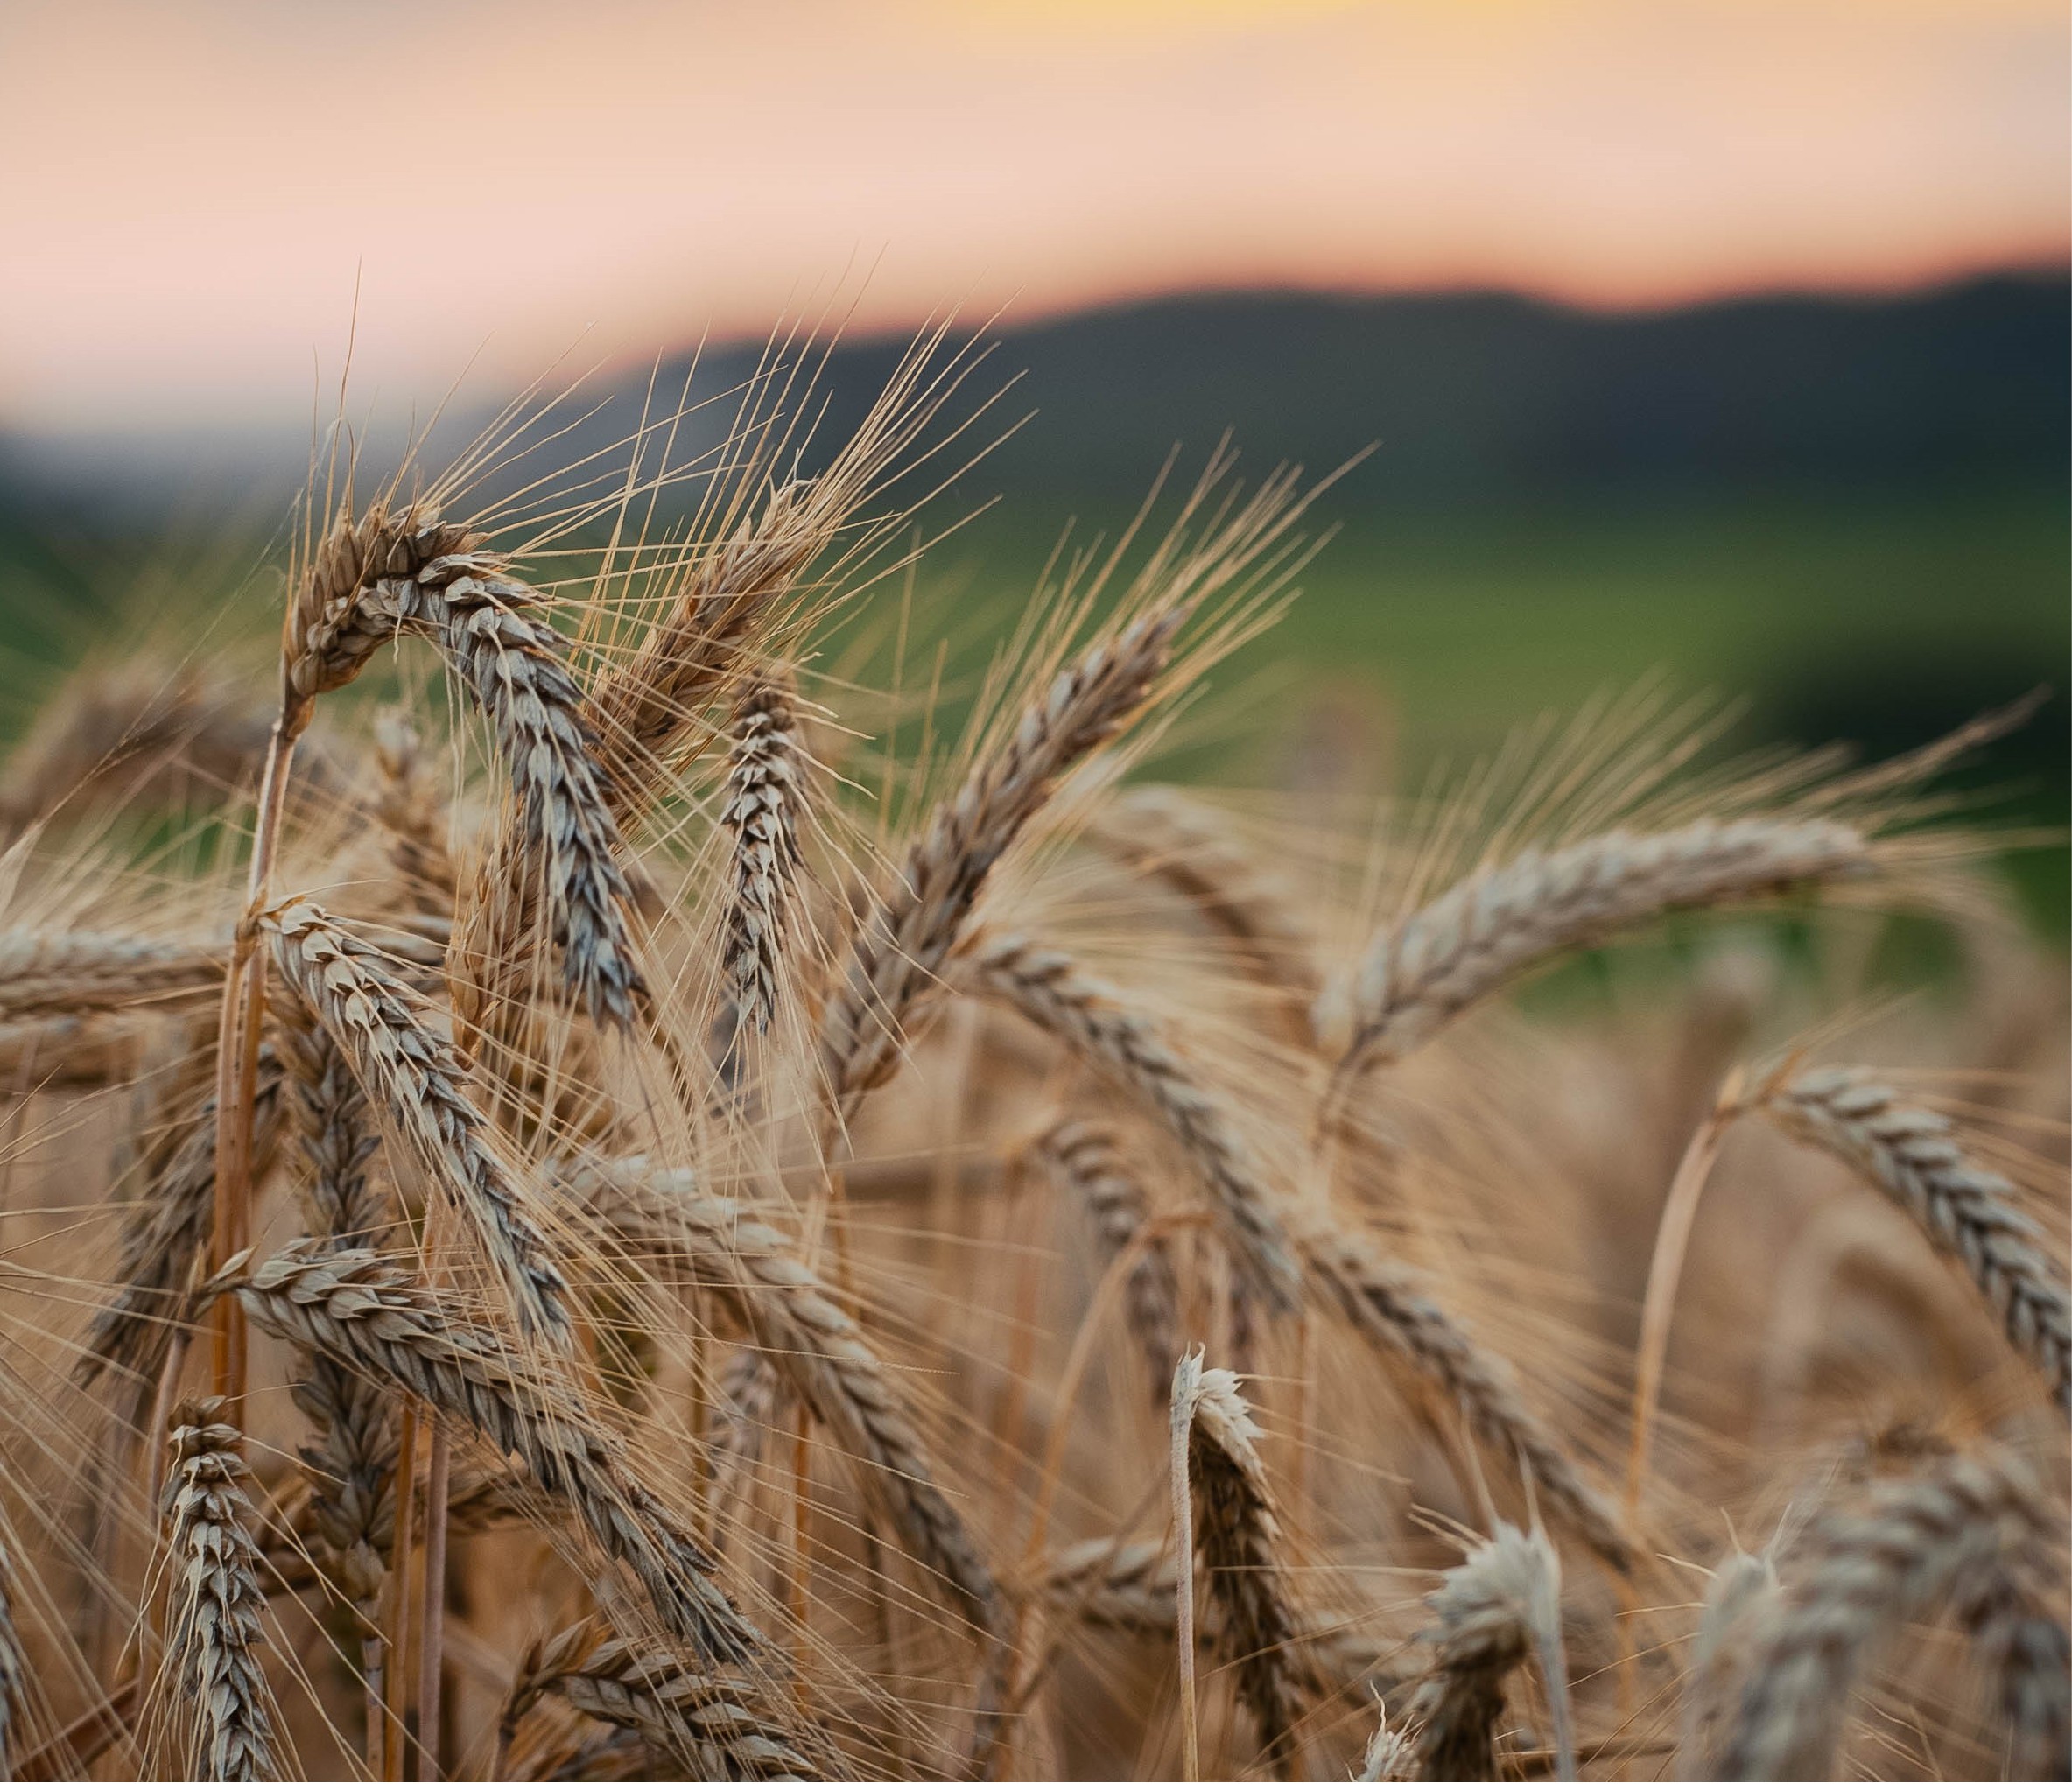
{"x":193,"y":189}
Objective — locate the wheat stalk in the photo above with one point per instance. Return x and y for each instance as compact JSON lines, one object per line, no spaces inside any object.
{"x":214,"y":1631}
{"x":1969,"y":1213}
{"x":714,"y":1727}
{"x":815,"y":1349}
{"x":1045,"y":985}
{"x":1499,"y":1608}
{"x":1237,"y":1534}
{"x":362,"y":1312}
{"x":1084,"y":1159}
{"x":1915,"y":1543}
{"x":69,"y":973}
{"x":1391,"y":1305}
{"x":414,"y":1078}
{"x":1502,"y":922}
{"x":766,"y":769}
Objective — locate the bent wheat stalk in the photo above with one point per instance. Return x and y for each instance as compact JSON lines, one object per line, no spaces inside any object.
{"x":1499,"y":1608}
{"x":415,"y":1079}
{"x":1499,"y":923}
{"x":1911,"y":1155}
{"x":215,"y":1632}
{"x":1045,"y":985}
{"x":360,"y":1310}
{"x":388,"y":576}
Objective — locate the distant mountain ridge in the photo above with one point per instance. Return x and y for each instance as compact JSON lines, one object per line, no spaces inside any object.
{"x":1466,"y":398}
{"x":1484,"y":397}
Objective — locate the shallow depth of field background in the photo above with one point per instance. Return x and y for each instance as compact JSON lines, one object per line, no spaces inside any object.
{"x":1728,"y":339}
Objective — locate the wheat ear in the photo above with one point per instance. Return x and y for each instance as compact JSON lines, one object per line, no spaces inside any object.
{"x":414,"y":1077}
{"x":78,"y":972}
{"x":898,"y":958}
{"x":765,"y":769}
{"x":1084,"y":1159}
{"x":362,"y":1312}
{"x":714,"y":1727}
{"x":1045,"y":985}
{"x":214,"y":1630}
{"x":1915,"y":1544}
{"x":1390,"y":1755}
{"x":1969,"y":1213}
{"x":350,"y":1460}
{"x":815,"y":1348}
{"x":407,"y":804}
{"x":1238,"y":1535}
{"x":411,"y":574}
{"x":2029,"y":1653}
{"x":1502,"y":922}
{"x":1499,"y":1608}
{"x":165,"y":1232}
{"x":1741,"y":1595}
{"x":1391,"y":1305}
{"x":1168,"y":839}
{"x":646,"y":706}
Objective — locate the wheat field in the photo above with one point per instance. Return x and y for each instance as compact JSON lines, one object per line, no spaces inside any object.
{"x":629,"y":1160}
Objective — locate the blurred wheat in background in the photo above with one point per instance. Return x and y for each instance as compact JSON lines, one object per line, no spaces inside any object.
{"x":625,"y":1165}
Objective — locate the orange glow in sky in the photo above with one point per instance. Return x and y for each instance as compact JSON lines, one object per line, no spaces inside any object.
{"x":194,"y":190}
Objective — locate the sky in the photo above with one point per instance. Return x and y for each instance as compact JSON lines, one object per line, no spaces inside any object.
{"x":202,"y":198}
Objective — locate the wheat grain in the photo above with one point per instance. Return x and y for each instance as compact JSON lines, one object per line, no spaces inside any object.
{"x":1238,"y":1536}
{"x":1091,"y":1019}
{"x":1499,"y":1608}
{"x":1500,"y":923}
{"x":413,"y":1077}
{"x":362,"y":1312}
{"x":716,"y":1727}
{"x":765,"y":785}
{"x":1084,"y":1159}
{"x":1914,"y":1542}
{"x":1970,"y":1214}
{"x":215,"y":1632}
{"x":1391,"y":1305}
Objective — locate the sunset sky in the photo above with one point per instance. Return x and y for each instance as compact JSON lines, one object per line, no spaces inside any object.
{"x":194,"y":190}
